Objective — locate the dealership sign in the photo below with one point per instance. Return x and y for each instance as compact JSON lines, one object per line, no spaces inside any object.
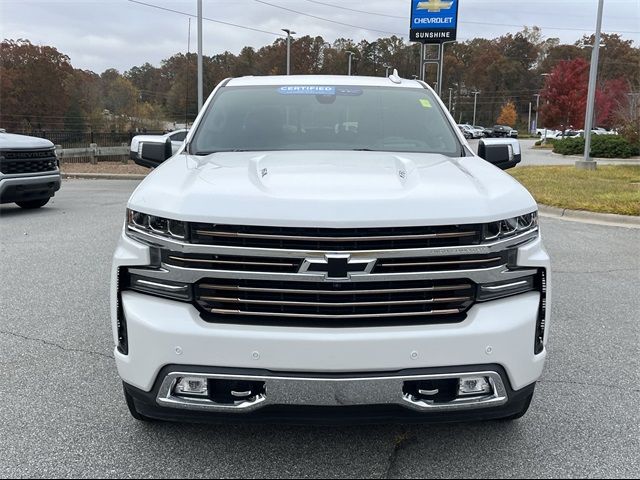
{"x":434,"y":21}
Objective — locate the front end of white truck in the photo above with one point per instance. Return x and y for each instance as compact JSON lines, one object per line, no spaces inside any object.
{"x":317,"y":283}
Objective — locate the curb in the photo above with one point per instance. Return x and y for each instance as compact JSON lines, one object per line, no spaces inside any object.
{"x":627,"y":221}
{"x":103,"y":176}
{"x":631,"y":160}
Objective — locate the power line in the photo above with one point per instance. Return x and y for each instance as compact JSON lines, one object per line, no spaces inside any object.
{"x":406,"y":18}
{"x":326,"y":19}
{"x":205,"y":18}
{"x":358,"y":11}
{"x":540,"y":26}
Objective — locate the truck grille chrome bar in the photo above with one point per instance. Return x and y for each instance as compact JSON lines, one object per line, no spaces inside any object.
{"x":249,"y":301}
{"x":335,"y":239}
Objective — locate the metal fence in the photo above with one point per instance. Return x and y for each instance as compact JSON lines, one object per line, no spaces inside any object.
{"x":68,"y":139}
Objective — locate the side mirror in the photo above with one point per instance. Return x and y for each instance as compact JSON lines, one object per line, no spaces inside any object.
{"x":153,"y":153}
{"x":504,"y":153}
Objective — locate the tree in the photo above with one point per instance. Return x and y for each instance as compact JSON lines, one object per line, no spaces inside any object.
{"x":565,"y":97}
{"x":34,"y":86}
{"x":508,"y":115}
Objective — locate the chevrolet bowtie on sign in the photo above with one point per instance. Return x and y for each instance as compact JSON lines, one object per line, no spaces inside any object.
{"x":434,"y":21}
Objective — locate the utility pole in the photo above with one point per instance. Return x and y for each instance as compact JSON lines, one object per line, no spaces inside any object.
{"x":588,"y":163}
{"x":289,"y":33}
{"x":200,"y":67}
{"x":450,"y":94}
{"x":475,"y":103}
{"x":529,"y":124}
{"x":351,"y":54}
{"x":537,"y":95}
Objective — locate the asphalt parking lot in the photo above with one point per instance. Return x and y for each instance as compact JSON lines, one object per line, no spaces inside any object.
{"x":62,"y":412}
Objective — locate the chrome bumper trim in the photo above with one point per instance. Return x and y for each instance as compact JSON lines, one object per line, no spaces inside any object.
{"x":310,"y":391}
{"x":187,"y":275}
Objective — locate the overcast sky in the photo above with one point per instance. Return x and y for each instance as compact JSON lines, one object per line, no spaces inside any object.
{"x":101,"y":34}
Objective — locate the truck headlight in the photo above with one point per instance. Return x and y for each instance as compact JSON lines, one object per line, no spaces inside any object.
{"x":511,"y":226}
{"x":154,"y":225}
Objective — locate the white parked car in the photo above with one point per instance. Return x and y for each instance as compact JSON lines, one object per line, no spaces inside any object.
{"x":176,"y":138}
{"x":476,"y":132}
{"x":286,"y":265}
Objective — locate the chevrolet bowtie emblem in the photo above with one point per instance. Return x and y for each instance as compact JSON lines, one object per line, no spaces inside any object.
{"x":434,"y":6}
{"x":336,"y":266}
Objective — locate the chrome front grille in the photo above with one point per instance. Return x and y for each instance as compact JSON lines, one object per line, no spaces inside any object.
{"x":335,"y":239}
{"x":330,"y":277}
{"x":335,"y":304}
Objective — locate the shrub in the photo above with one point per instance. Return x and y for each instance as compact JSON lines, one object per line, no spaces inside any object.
{"x":602,"y":146}
{"x":612,"y":146}
{"x":569,"y":146}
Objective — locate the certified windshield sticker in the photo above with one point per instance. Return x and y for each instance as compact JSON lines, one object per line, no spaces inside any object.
{"x":425,"y":103}
{"x":307,"y":90}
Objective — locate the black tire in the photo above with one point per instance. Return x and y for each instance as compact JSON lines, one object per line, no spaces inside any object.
{"x":133,"y":411}
{"x":521,"y":413}
{"x":33,"y":204}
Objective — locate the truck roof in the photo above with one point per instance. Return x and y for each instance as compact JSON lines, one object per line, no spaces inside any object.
{"x":285,"y":80}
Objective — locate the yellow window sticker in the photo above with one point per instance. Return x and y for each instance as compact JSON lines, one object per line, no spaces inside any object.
{"x":425,"y":103}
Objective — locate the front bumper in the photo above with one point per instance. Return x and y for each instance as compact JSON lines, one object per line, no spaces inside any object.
{"x":166,"y":336}
{"x":26,"y":188}
{"x":335,"y":399}
{"x":163,"y":332}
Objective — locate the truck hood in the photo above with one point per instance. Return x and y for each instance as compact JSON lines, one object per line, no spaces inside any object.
{"x":331,"y":189}
{"x":12,"y":141}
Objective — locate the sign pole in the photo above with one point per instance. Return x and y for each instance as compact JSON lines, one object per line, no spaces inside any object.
{"x":440,"y":68}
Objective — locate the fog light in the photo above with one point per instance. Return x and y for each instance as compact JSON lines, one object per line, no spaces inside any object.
{"x":473,"y":386}
{"x":192,"y":386}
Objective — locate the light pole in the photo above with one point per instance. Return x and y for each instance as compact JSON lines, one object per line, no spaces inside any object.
{"x":351,"y":54}
{"x":289,"y":33}
{"x":200,"y":67}
{"x":475,"y":103}
{"x":588,"y":163}
{"x":537,"y":95}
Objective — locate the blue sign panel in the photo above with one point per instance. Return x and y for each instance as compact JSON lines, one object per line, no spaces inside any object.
{"x":434,"y":21}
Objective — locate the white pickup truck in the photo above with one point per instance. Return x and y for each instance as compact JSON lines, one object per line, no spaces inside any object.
{"x":328,"y":249}
{"x":29,"y":170}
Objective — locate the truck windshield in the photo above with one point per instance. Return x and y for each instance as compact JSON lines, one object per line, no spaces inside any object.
{"x":268,"y":118}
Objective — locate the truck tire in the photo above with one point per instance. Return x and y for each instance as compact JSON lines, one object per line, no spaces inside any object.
{"x":33,"y":204}
{"x":133,"y":411}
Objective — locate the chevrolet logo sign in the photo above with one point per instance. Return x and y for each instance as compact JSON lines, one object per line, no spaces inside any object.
{"x":434,"y":6}
{"x":336,"y":266}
